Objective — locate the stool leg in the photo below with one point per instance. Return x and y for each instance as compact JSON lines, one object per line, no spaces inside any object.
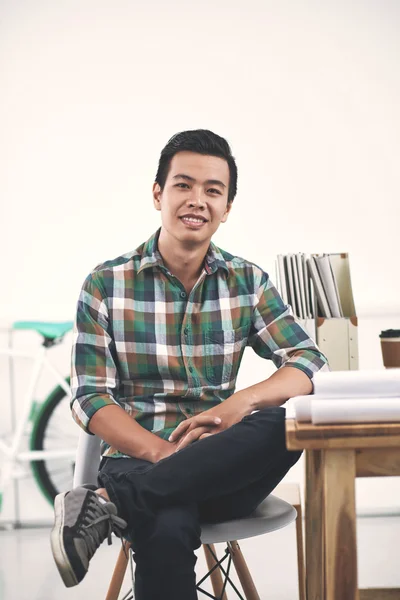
{"x":216,"y":577}
{"x":243,"y":572}
{"x":300,"y":553}
{"x":119,"y":573}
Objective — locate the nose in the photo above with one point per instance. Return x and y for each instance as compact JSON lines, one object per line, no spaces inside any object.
{"x":196,"y":199}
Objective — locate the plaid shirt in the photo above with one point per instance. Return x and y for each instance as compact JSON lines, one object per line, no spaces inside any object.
{"x":163,"y":355}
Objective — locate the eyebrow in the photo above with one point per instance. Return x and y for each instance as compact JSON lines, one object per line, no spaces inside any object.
{"x":192,"y":179}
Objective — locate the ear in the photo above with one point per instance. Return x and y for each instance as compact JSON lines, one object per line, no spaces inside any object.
{"x":157,"y":196}
{"x":226,"y":213}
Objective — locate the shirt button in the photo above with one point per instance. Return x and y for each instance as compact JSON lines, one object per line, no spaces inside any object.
{"x":183,"y":294}
{"x":186,"y":330}
{"x":191,"y":369}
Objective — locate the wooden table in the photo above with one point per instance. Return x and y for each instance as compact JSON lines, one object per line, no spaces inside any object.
{"x":335,"y":456}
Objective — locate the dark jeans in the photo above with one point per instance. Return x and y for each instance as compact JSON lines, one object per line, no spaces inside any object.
{"x":222,"y":477}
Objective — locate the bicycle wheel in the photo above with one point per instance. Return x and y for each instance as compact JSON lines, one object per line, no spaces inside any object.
{"x":54,"y":429}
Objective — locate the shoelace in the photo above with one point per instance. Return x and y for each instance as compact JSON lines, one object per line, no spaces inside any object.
{"x":96,"y":514}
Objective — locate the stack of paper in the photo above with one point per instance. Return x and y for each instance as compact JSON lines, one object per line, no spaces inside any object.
{"x":351,"y":397}
{"x":300,"y":276}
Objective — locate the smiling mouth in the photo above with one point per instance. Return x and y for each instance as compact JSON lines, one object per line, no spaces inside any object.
{"x":193,"y":222}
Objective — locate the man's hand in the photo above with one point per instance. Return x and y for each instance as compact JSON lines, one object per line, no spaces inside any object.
{"x":274,"y":391}
{"x":195,"y":428}
{"x":211,"y":421}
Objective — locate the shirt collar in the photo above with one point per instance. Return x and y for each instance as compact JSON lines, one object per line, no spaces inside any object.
{"x":151,"y":257}
{"x":214,"y":260}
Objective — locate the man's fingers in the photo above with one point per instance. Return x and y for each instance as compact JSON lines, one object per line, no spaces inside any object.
{"x":180,"y":430}
{"x":193,"y":423}
{"x":191,"y":437}
{"x":205,"y":435}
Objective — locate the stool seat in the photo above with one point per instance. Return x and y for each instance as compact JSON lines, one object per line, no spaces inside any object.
{"x":272,"y":514}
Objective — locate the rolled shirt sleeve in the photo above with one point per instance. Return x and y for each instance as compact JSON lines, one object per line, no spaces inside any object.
{"x":94,"y":376}
{"x":276,"y":335}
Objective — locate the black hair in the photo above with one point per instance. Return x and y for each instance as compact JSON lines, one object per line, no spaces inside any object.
{"x":201,"y":141}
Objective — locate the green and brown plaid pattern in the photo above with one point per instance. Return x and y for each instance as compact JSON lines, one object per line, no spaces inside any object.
{"x":141,"y":342}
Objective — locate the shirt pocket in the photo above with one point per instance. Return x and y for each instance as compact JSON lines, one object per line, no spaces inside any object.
{"x":223,"y":350}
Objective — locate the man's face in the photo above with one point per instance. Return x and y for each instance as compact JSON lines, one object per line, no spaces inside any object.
{"x":194,"y":200}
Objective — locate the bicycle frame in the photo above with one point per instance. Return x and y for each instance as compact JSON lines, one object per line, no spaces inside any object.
{"x":13,"y":457}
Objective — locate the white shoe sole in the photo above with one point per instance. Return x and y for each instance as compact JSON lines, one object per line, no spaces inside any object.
{"x":57,"y":545}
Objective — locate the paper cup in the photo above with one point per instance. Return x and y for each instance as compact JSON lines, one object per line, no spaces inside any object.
{"x":390,"y":344}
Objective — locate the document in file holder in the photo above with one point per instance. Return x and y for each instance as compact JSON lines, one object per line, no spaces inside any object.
{"x":337,"y":337}
{"x":318,"y":288}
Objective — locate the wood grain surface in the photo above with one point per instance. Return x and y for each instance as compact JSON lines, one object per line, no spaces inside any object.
{"x":378,"y":462}
{"x":306,"y":435}
{"x":335,"y":456}
{"x":340,"y":526}
{"x":314,"y":529}
{"x":380,"y":594}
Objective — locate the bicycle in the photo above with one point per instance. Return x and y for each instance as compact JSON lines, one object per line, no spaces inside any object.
{"x":53,"y":436}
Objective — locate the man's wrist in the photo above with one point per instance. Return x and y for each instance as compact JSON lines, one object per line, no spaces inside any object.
{"x":158,"y":451}
{"x":246,"y":399}
{"x":259,"y":395}
{"x":278,"y":388}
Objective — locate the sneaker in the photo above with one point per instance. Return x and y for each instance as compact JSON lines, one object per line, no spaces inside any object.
{"x":82,"y":521}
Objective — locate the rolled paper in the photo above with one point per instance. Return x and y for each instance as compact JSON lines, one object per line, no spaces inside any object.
{"x":348,"y":384}
{"x":304,"y":406}
{"x":365,"y":410}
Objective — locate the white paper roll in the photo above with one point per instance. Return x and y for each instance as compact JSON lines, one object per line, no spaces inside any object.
{"x":381,"y":383}
{"x":303,"y":404}
{"x":362,"y":410}
{"x":302,"y":408}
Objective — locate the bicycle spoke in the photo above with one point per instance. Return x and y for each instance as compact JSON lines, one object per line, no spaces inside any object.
{"x":59,"y":442}
{"x":56,"y":430}
{"x":62,"y":469}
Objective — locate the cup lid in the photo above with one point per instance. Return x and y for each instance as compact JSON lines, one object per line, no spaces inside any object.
{"x":390,"y":333}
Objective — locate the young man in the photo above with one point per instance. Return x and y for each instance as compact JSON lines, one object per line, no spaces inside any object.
{"x":160,"y":334}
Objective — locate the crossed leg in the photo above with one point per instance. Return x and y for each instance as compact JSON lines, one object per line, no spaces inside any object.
{"x":222,"y":477}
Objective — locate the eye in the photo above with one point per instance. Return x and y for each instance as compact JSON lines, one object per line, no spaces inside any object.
{"x":214,"y":191}
{"x":182,"y":185}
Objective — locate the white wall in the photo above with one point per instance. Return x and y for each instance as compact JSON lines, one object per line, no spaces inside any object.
{"x":307,"y":93}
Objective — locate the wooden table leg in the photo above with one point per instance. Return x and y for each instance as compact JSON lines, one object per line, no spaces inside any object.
{"x":301,"y":571}
{"x":314,"y":525}
{"x":340,"y":525}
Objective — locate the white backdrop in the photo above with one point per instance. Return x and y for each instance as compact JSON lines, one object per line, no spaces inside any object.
{"x":307,"y":93}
